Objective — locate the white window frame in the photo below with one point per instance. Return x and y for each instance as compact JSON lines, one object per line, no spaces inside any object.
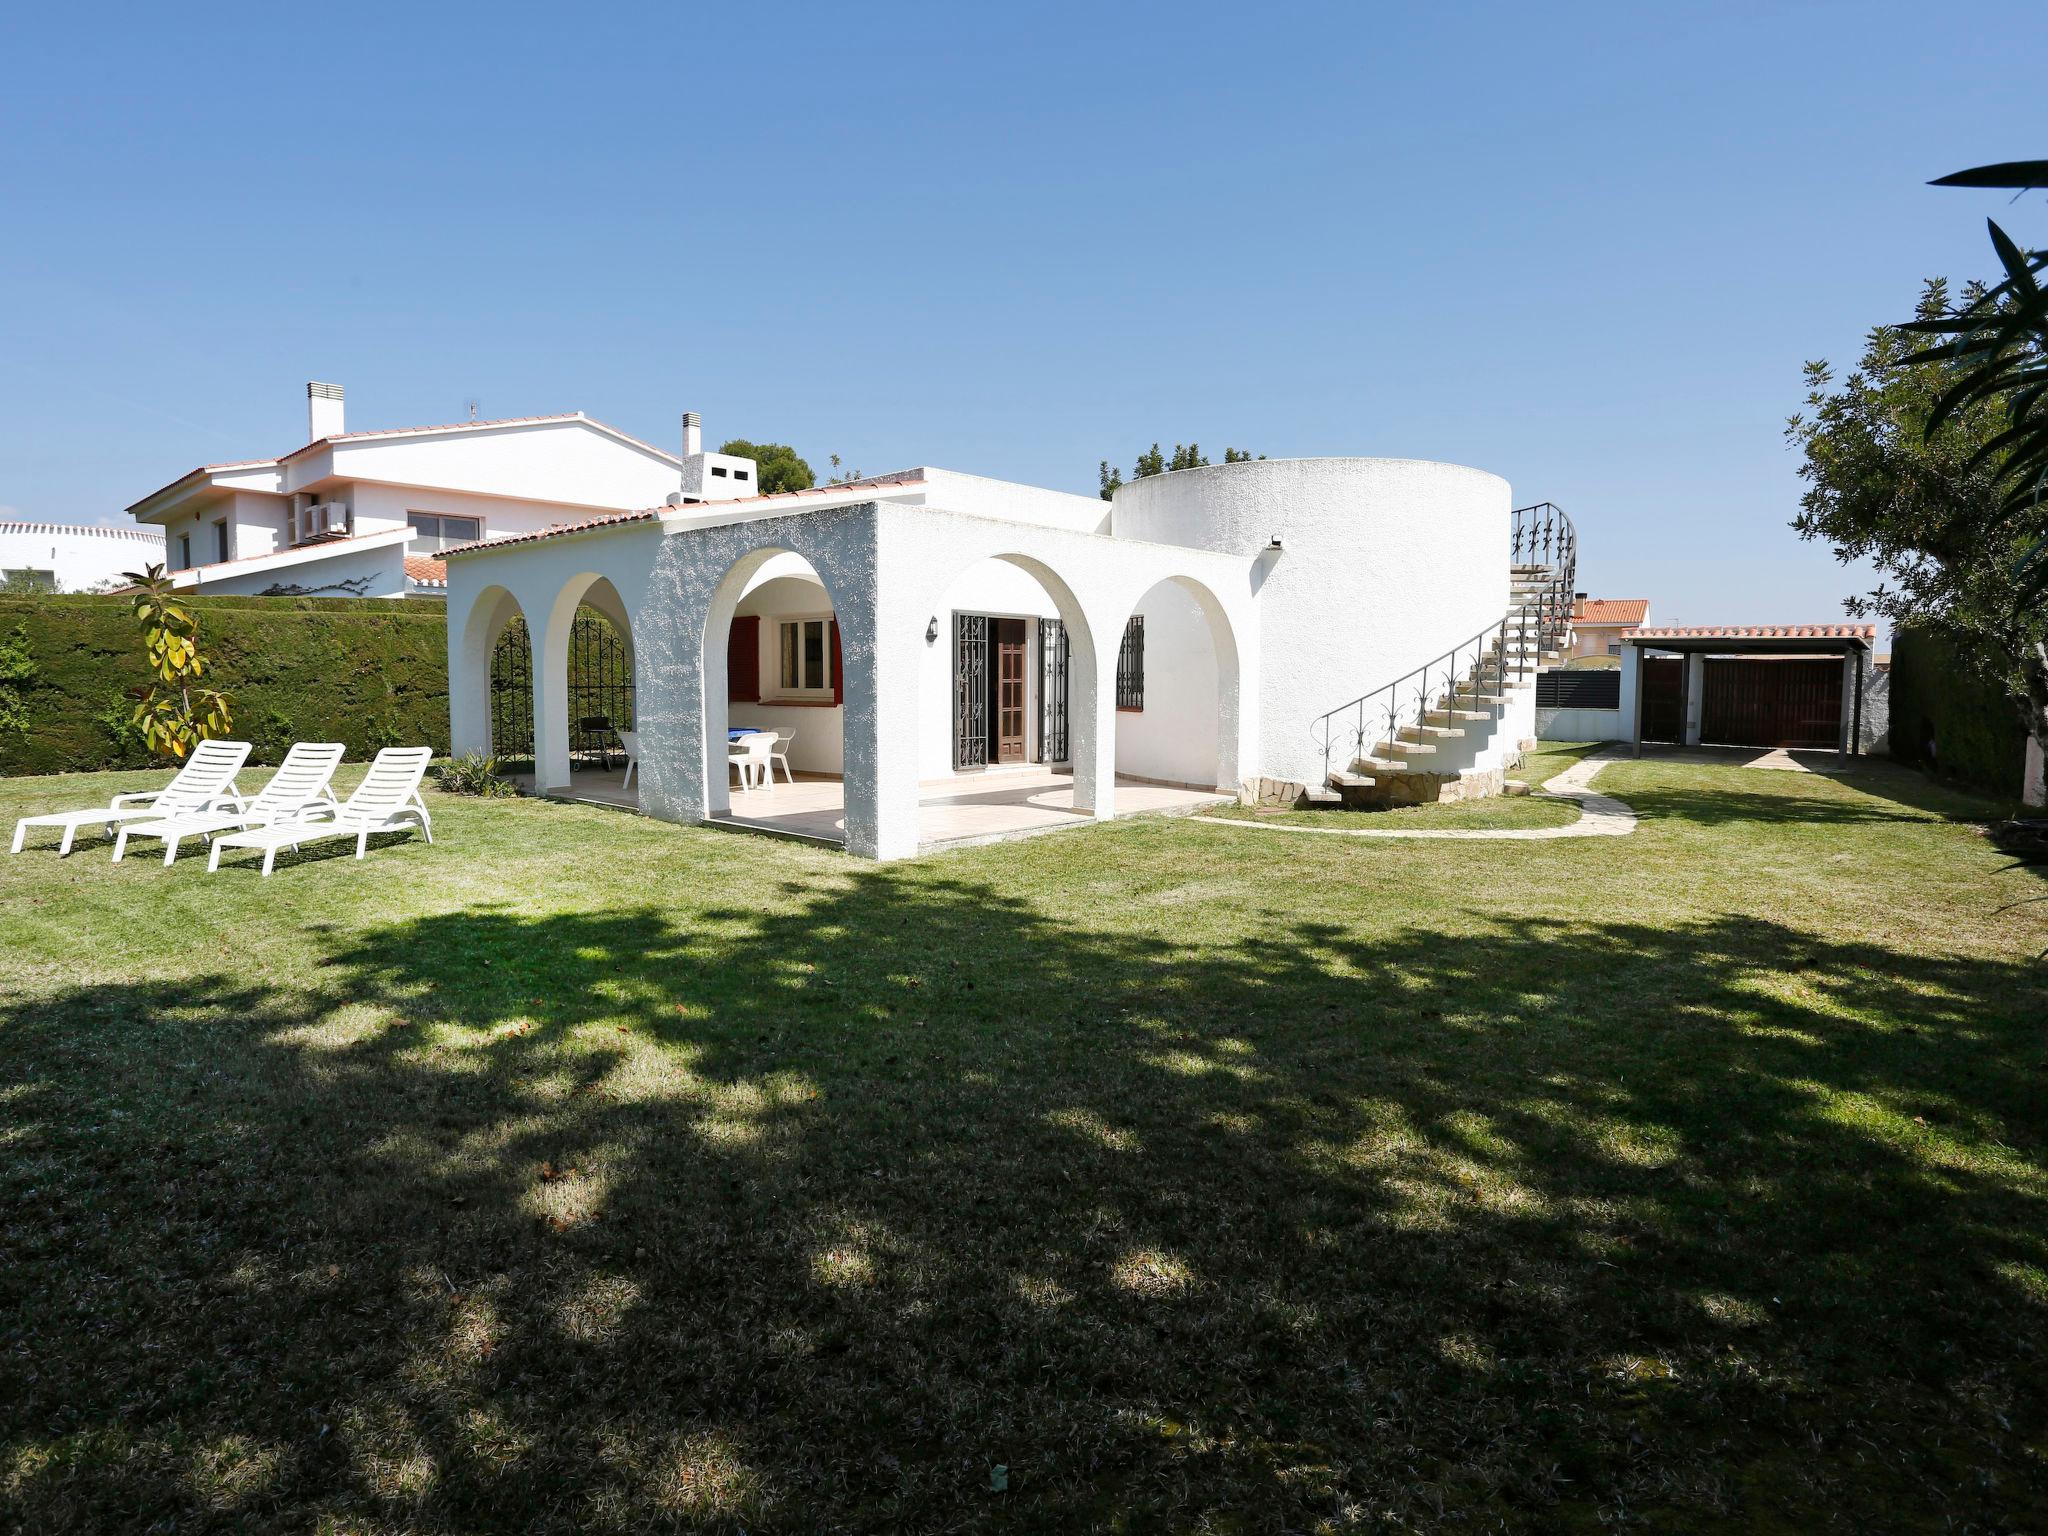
{"x":784,"y":690}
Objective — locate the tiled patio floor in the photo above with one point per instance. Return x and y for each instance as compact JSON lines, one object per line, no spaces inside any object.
{"x":1000,"y":803}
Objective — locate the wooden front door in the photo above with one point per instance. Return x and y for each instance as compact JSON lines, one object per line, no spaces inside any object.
{"x":1008,"y":717}
{"x":1663,"y":705}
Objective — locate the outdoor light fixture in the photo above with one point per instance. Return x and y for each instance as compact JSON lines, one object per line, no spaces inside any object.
{"x":931,"y":631}
{"x":1274,"y":542}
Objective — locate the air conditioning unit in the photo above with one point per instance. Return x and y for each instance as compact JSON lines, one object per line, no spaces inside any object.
{"x":324,"y":520}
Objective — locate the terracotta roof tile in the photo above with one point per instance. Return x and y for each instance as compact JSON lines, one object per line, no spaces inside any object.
{"x":555,"y":531}
{"x":1613,"y":610}
{"x":426,"y":571}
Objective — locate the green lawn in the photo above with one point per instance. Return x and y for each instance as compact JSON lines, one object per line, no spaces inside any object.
{"x":586,"y":1173}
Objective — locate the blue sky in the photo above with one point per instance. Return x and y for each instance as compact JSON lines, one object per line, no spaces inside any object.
{"x":1585,"y":247}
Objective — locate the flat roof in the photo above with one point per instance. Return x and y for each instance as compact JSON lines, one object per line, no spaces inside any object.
{"x":1775,"y":638}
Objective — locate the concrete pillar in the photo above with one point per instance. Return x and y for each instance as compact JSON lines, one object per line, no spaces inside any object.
{"x":470,"y":638}
{"x":1091,"y":719}
{"x":882,"y":645}
{"x":1695,"y":695}
{"x":1852,"y":666}
{"x":551,"y":709}
{"x":1631,"y":701}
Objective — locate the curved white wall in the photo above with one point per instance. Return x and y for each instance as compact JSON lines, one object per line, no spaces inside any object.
{"x":1385,"y":564}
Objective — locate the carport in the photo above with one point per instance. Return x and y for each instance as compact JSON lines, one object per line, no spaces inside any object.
{"x":1749,"y":685}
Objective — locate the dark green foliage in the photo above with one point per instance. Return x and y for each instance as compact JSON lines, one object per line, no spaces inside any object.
{"x":1153,"y":462}
{"x":366,"y":672}
{"x":1995,"y":350}
{"x":778,"y":468}
{"x":1952,"y":718}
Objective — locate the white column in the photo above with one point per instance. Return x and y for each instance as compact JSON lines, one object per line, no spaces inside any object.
{"x":550,"y":711}
{"x":1091,"y":718}
{"x":881,"y":641}
{"x":1631,"y":701}
{"x":1695,"y":695}
{"x":469,"y":677}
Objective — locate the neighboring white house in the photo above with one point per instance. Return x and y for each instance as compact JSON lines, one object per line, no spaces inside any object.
{"x":68,"y":558}
{"x":1274,"y":629}
{"x":367,"y":514}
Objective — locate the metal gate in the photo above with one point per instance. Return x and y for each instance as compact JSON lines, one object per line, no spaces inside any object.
{"x":1052,"y":691}
{"x":970,"y":690}
{"x":600,"y":688}
{"x":1772,"y":704}
{"x":512,"y":693}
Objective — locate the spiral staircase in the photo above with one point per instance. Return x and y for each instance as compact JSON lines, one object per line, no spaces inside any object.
{"x":1439,"y":725}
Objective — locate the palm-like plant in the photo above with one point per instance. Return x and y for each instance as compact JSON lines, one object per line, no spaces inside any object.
{"x":1997,"y":344}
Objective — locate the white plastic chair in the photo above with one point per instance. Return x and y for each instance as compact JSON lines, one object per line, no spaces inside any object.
{"x":388,"y":800}
{"x":631,"y":741}
{"x":300,"y":784}
{"x":208,"y":775}
{"x":751,"y":756}
{"x":779,"y":753}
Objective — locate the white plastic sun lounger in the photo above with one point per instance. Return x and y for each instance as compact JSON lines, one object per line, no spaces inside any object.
{"x":298,"y":786}
{"x":388,"y":800}
{"x":208,"y":776}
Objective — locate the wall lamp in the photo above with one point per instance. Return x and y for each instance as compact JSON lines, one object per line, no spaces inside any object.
{"x":931,"y":631}
{"x":1274,"y":543}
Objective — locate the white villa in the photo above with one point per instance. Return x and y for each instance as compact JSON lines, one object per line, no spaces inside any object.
{"x":944,"y":656}
{"x":951,"y":657}
{"x":69,"y":557}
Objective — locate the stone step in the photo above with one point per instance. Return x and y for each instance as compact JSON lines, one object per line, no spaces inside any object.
{"x":1402,"y":749}
{"x":1375,"y":765}
{"x":1447,"y":716}
{"x":1425,"y":732}
{"x":1351,"y":781}
{"x":1481,"y":698}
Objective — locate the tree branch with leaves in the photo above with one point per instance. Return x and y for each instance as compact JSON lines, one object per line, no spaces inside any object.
{"x":173,"y":714}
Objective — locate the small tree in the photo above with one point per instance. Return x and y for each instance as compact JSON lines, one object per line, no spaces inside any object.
{"x":25,"y":584}
{"x":1929,"y":509}
{"x":777,"y":466}
{"x":172,"y":714}
{"x":1153,"y":462}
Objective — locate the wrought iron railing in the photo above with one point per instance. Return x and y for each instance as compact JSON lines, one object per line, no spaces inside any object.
{"x":1472,"y":674}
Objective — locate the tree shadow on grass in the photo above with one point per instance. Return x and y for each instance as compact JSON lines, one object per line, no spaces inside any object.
{"x":807,"y":1218}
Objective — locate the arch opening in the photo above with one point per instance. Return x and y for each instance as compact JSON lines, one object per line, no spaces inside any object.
{"x":774,"y":692}
{"x":583,"y":695}
{"x":1177,"y":691}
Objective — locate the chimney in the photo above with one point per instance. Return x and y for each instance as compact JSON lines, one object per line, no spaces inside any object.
{"x":693,"y":434}
{"x":1578,"y":605}
{"x":323,"y":411}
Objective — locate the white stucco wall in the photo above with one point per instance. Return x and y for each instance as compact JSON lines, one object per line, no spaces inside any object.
{"x":982,"y":497}
{"x":1173,"y":739}
{"x":999,"y":590}
{"x":380,"y":568}
{"x":1579,"y":724}
{"x":77,"y":558}
{"x":1385,"y":564}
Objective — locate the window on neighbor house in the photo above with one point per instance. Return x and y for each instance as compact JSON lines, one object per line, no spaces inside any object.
{"x":805,"y":657}
{"x":739,"y":474}
{"x":220,"y":541}
{"x":437,"y":532}
{"x":1614,"y":647}
{"x":184,"y":551}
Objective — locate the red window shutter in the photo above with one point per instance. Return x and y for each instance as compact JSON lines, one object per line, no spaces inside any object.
{"x":838,"y":671}
{"x":743,"y":660}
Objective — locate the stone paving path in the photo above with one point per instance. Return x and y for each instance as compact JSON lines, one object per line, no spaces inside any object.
{"x":1599,"y":815}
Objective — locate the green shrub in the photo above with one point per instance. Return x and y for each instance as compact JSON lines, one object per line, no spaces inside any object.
{"x":367,"y":672}
{"x":17,"y":671}
{"x":474,"y":773}
{"x":1952,"y":719}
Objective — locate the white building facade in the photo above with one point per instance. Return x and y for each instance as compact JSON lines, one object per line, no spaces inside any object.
{"x":1278,"y":629}
{"x":61,"y":557}
{"x":367,"y":514}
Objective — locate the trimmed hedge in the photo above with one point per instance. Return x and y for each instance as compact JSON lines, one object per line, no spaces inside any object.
{"x":366,"y":671}
{"x":1953,"y":720}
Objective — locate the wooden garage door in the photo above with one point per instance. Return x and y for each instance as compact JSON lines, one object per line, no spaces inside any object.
{"x":1772,"y":704}
{"x":1663,"y":685}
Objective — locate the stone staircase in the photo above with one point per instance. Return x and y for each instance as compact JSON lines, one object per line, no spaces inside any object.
{"x":1434,"y":733}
